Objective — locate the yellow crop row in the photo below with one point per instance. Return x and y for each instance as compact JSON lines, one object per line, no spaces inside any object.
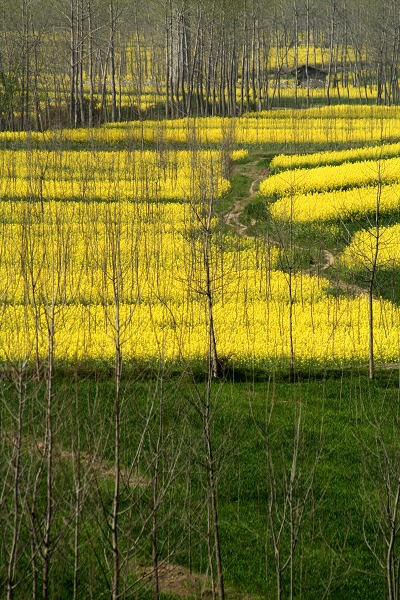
{"x":72,"y":262}
{"x":137,"y":189}
{"x":329,"y":331}
{"x":271,"y":127}
{"x":67,"y":251}
{"x":238,"y":155}
{"x":339,"y":204}
{"x":111,"y":175}
{"x":330,"y":177}
{"x":384,"y":243}
{"x":332,"y":157}
{"x":100,"y":164}
{"x":336,"y":124}
{"x":334,"y":111}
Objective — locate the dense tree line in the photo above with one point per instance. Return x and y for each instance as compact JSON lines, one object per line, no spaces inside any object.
{"x":81,"y":62}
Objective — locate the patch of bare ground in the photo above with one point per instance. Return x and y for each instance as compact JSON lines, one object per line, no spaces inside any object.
{"x":105,"y":469}
{"x":180,"y":582}
{"x":90,"y":463}
{"x":232,"y":218}
{"x":341,"y":285}
{"x":351,"y":288}
{"x":329,"y":260}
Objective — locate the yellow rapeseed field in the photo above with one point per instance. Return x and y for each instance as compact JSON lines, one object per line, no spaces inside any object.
{"x":80,"y":258}
{"x":100,"y":244}
{"x":325,"y":125}
{"x":334,"y":157}
{"x":123,"y":175}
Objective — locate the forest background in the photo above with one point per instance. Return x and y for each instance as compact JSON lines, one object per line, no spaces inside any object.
{"x":87,"y":62}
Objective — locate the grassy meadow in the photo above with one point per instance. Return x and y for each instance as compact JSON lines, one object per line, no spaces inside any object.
{"x":128,"y":254}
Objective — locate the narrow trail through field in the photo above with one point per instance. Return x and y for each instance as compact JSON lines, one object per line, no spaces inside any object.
{"x":232,"y":218}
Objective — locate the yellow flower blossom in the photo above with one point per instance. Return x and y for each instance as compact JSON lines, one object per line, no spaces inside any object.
{"x":330,"y":177}
{"x":339,"y":204}
{"x":361,"y":251}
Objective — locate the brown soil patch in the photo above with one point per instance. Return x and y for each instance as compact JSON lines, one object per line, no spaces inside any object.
{"x":329,"y":260}
{"x":179,"y":581}
{"x":105,"y":469}
{"x":90,"y":464}
{"x":350,"y":287}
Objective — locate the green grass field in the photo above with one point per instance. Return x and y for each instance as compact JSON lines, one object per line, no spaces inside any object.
{"x":348,"y":451}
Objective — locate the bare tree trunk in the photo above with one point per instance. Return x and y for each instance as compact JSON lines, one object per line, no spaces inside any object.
{"x":393,"y":561}
{"x":167,"y":51}
{"x":80,"y":57}
{"x":112,"y":62}
{"x":372,"y":275}
{"x":117,"y":424}
{"x":212,"y":492}
{"x":73,"y":63}
{"x":296,"y":47}
{"x":381,"y":526}
{"x":48,"y":449}
{"x":12,"y":558}
{"x":156,"y":499}
{"x":213,"y":355}
{"x":331,"y":45}
{"x":287,"y":500}
{"x":195,"y":63}
{"x":308,"y":33}
{"x":91,"y":61}
{"x":31,"y":511}
{"x":36,"y":101}
{"x":78,"y":489}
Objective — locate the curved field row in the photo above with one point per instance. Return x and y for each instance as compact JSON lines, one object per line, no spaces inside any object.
{"x":180,"y":188}
{"x":332,"y":331}
{"x":334,"y":157}
{"x":361,"y":250}
{"x":338,"y":111}
{"x":338,"y":204}
{"x":332,"y":177}
{"x":336,"y":124}
{"x":101,"y":165}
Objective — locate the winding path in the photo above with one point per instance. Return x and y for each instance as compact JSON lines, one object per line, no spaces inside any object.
{"x":232,"y":218}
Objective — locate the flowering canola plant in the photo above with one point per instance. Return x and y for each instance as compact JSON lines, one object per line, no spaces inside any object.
{"x":333,"y":124}
{"x":338,"y":204}
{"x":332,"y":177}
{"x":361,"y":251}
{"x":72,"y":261}
{"x":334,"y":157}
{"x":134,"y":175}
{"x":82,"y":233}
